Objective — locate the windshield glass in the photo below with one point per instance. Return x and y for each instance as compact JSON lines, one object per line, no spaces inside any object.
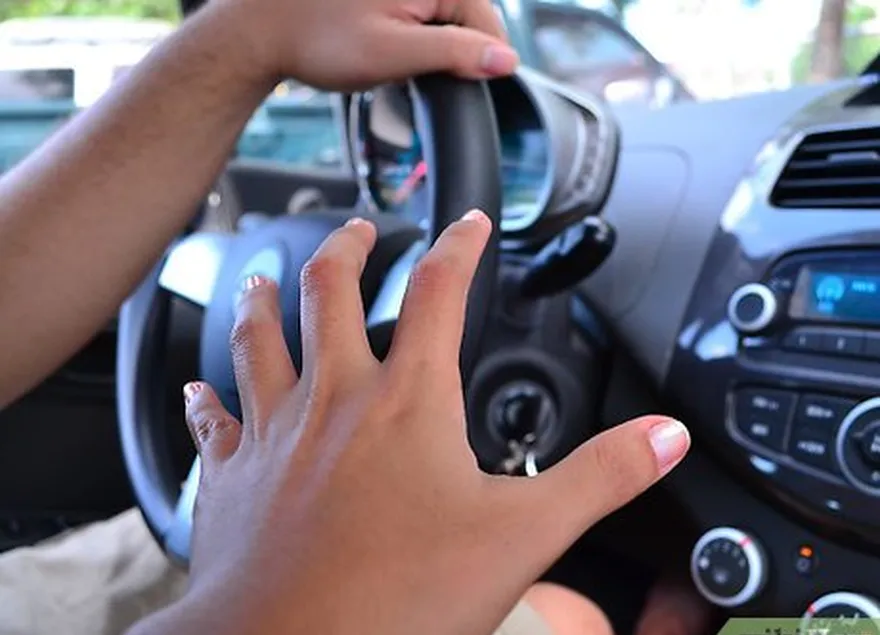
{"x":658,"y":52}
{"x":726,"y":48}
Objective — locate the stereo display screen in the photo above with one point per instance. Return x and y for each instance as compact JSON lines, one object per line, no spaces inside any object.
{"x":837,"y":296}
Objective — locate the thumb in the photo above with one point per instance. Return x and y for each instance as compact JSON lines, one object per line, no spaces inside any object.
{"x":418,"y":49}
{"x":215,"y":432}
{"x":604,"y":474}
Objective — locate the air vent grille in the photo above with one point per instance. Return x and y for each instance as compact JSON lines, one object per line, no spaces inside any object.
{"x":839,"y":169}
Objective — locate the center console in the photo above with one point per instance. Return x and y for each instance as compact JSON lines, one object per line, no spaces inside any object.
{"x":777,"y":372}
{"x":805,"y":397}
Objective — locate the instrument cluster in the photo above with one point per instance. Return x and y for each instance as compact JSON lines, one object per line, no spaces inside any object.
{"x":558,"y":153}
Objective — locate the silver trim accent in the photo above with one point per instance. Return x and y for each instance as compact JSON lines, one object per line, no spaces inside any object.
{"x":860,"y":602}
{"x":771,"y":306}
{"x":840,"y":442}
{"x":757,"y":562}
{"x":193,"y":265}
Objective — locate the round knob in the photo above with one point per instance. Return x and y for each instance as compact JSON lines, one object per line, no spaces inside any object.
{"x":857,"y":447}
{"x":728,"y":566}
{"x":752,"y":308}
{"x":841,"y":605}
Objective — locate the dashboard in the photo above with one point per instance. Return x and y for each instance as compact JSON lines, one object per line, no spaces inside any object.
{"x":745,"y":283}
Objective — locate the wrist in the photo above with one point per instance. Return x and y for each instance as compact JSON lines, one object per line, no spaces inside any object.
{"x":193,"y":613}
{"x":238,"y":36}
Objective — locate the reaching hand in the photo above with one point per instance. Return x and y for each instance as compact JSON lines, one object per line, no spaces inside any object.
{"x":348,"y":499}
{"x":351,"y":44}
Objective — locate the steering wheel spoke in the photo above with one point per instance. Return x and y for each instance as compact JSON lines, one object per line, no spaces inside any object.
{"x":193,"y":266}
{"x":386,"y":307}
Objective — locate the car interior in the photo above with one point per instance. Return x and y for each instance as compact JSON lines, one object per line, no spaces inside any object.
{"x":715,"y":261}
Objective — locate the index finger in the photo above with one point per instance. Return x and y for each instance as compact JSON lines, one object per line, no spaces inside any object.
{"x":431,"y":321}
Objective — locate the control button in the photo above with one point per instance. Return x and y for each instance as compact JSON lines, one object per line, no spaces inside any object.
{"x":805,"y":561}
{"x":804,"y":340}
{"x":813,"y":447}
{"x":855,"y":450}
{"x":870,"y":445}
{"x":822,"y":412}
{"x":752,"y":308}
{"x":872,"y":346}
{"x":762,"y":415}
{"x":839,"y":606}
{"x":815,"y":425}
{"x":728,"y":566}
{"x":843,"y":343}
{"x":781,"y":284}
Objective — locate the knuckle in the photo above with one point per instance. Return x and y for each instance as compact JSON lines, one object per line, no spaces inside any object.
{"x":249,"y":327}
{"x":439,"y":272}
{"x":206,"y":425}
{"x":321,"y":271}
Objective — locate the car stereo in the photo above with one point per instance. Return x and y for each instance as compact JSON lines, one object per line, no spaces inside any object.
{"x":837,"y":291}
{"x":826,"y":302}
{"x":805,"y":392}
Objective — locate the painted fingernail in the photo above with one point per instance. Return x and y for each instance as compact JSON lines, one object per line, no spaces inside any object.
{"x":190,"y":390}
{"x":478,"y":216}
{"x":252,"y":282}
{"x":499,"y":60}
{"x":670,"y":441}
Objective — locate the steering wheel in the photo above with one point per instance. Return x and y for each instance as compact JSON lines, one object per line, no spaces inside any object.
{"x":456,"y":123}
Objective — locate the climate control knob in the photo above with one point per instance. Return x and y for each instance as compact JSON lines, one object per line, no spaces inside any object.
{"x":857,"y":447}
{"x":839,"y":606}
{"x":752,"y":308}
{"x":729,"y":566}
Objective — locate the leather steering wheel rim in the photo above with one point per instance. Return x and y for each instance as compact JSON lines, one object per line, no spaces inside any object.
{"x":456,"y":124}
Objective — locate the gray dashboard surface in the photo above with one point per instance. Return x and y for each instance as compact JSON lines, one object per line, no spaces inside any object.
{"x":678,"y":168}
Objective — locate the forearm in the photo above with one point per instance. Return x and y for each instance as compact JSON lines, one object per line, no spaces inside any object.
{"x":83,"y":218}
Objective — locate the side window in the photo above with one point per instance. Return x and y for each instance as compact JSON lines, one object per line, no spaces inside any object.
{"x":297,"y":125}
{"x":33,"y":104}
{"x":36,"y":85}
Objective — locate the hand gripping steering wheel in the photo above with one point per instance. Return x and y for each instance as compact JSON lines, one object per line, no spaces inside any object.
{"x":456,"y":123}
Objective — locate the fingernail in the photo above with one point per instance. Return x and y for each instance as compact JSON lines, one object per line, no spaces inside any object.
{"x":477,"y":215}
{"x":357,"y":220}
{"x":670,"y":441}
{"x":499,"y":60}
{"x":190,"y":390}
{"x":252,"y":282}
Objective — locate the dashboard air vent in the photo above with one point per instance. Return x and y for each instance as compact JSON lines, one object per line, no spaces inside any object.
{"x":838,"y":169}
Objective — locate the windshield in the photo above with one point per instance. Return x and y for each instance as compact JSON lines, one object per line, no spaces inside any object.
{"x":725,"y":48}
{"x":58,"y":57}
